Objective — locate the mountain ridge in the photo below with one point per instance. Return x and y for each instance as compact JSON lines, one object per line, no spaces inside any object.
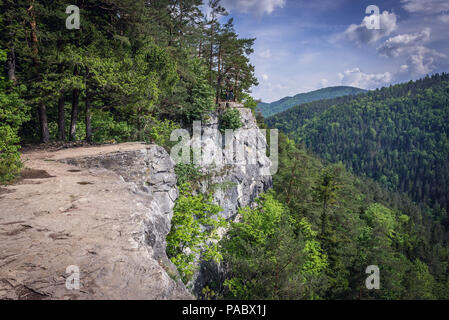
{"x":273,"y":108}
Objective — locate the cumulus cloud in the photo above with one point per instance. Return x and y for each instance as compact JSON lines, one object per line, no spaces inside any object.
{"x":265,"y":76}
{"x":421,"y":60}
{"x":356,"y":78}
{"x":259,"y":7}
{"x":360,"y":34}
{"x":399,"y":44}
{"x":425,"y":6}
{"x":424,"y":60}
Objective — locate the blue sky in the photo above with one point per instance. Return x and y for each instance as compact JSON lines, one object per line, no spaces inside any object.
{"x":303,"y":45}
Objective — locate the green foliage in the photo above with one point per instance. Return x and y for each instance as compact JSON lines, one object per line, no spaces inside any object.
{"x":249,"y":102}
{"x":397,"y":136}
{"x":159,"y":132}
{"x":13,"y":112}
{"x":272,"y":256}
{"x":187,"y":173}
{"x":364,"y":225}
{"x":193,"y":236}
{"x":230,"y":119}
{"x":106,"y":129}
{"x":198,"y":95}
{"x":145,"y":62}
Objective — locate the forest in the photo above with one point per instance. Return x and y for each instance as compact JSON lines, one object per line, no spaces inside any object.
{"x":397,"y":136}
{"x":363,"y":179}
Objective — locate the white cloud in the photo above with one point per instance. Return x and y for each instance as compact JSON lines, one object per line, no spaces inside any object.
{"x":424,"y":60}
{"x":265,"y":54}
{"x":403,"y":68}
{"x":259,"y":7}
{"x":324,"y":82}
{"x":360,"y":34}
{"x":421,"y":60}
{"x":425,"y":6}
{"x":265,"y":76}
{"x":399,"y":44}
{"x":356,"y":78}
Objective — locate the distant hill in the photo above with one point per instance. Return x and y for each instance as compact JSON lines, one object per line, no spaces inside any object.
{"x":270,"y":109}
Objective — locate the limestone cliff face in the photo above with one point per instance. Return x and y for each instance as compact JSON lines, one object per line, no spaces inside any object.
{"x":237,"y":185}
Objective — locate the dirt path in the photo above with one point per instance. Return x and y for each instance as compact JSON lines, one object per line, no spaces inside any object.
{"x":62,"y":216}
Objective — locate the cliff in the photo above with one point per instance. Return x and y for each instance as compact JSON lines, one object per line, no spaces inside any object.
{"x":235,"y":186}
{"x":107,"y":211}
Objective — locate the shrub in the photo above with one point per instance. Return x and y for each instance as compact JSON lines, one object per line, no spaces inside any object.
{"x":13,"y":112}
{"x":187,"y":173}
{"x":106,"y":128}
{"x":230,"y":119}
{"x":193,"y":236}
{"x":159,"y":132}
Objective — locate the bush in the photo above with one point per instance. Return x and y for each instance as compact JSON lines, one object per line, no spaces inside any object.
{"x":13,"y":112}
{"x":230,"y":119}
{"x":159,"y":132}
{"x":194,"y":232}
{"x":107,"y":129}
{"x":249,"y":102}
{"x":187,"y":173}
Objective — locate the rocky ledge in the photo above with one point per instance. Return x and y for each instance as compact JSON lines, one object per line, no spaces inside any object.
{"x":104,"y":210}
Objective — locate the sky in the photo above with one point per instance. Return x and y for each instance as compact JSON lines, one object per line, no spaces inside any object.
{"x":304,"y":45}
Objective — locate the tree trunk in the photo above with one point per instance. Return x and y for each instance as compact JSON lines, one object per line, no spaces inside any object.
{"x":75,"y":103}
{"x":219,"y":76}
{"x":236,"y":92}
{"x":211,"y":57}
{"x":11,"y":65}
{"x":45,"y":136}
{"x":43,"y":121}
{"x":74,"y":117}
{"x":61,"y":118}
{"x":34,"y":39}
{"x":88,"y":118}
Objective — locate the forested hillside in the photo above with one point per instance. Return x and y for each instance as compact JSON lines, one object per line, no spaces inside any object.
{"x":397,"y":136}
{"x":270,"y":109}
{"x":315,"y":234}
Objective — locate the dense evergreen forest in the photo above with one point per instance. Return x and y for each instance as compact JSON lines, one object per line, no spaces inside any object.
{"x":270,"y":109}
{"x":136,"y":70}
{"x":397,"y":136}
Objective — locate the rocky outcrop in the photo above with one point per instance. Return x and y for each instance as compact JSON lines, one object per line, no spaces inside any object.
{"x":151,"y":177}
{"x":239,"y":184}
{"x":108,"y":210}
{"x":104,"y":210}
